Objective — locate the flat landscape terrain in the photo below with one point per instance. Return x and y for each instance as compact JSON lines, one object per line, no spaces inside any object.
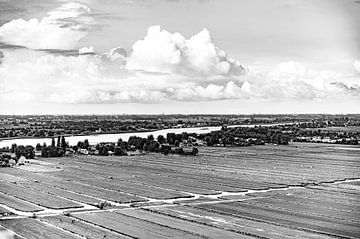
{"x":298,"y":191}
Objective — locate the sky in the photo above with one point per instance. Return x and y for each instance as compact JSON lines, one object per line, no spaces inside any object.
{"x":179,"y":56}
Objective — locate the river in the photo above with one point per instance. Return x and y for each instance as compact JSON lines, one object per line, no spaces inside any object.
{"x":98,"y":138}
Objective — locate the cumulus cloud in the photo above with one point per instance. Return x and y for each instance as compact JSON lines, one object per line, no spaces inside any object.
{"x":86,"y":50}
{"x":116,"y":54}
{"x":293,"y":80}
{"x":61,"y":29}
{"x":161,"y":51}
{"x":91,"y":78}
{"x":162,"y":67}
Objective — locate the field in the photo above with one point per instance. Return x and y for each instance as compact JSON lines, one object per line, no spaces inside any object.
{"x":298,"y":191}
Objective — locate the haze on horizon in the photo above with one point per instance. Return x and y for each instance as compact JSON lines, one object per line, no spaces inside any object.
{"x":179,"y":56}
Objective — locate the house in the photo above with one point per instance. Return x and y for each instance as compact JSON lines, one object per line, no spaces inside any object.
{"x":22,"y":160}
{"x":12,"y":162}
{"x":190,"y":151}
{"x":69,"y":152}
{"x":93,"y":151}
{"x":83,"y":151}
{"x":135,"y":153}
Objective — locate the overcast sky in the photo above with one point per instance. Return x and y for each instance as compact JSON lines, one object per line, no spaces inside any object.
{"x":179,"y":56}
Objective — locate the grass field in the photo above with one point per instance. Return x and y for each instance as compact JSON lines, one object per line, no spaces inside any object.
{"x":298,"y":191}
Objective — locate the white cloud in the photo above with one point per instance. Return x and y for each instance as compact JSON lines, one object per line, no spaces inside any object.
{"x":66,"y":11}
{"x":357,"y":66}
{"x":293,"y":80}
{"x":161,"y":51}
{"x":181,"y":70}
{"x":117,"y":53}
{"x":86,"y":50}
{"x":61,"y":29}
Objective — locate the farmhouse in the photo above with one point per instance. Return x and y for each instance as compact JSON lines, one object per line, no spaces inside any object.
{"x":83,"y":151}
{"x":21,"y":160}
{"x":12,"y":162}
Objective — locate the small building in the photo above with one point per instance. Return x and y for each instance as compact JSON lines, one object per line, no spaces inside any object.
{"x":12,"y":162}
{"x":83,"y":151}
{"x":22,"y":160}
{"x":190,"y":151}
{"x":135,"y":153}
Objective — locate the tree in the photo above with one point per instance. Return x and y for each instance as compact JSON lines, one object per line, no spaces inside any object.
{"x":83,"y":145}
{"x":52,"y":151}
{"x":124,"y":145}
{"x":176,"y":143}
{"x":110,"y":147}
{"x":38,"y":147}
{"x":178,"y":137}
{"x":86,"y":143}
{"x":209,"y":141}
{"x":184,"y":136}
{"x":13,"y":148}
{"x":58,"y":143}
{"x":119,"y":151}
{"x":145,"y":147}
{"x":154,"y":146}
{"x":165,"y":149}
{"x":170,"y":138}
{"x":119,"y":142}
{"x":80,"y":144}
{"x":63,"y":143}
{"x":26,"y":151}
{"x":195,"y":151}
{"x":161,"y":139}
{"x":103,"y":151}
{"x":150,"y":137}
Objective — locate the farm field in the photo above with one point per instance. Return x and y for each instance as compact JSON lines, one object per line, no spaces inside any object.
{"x":298,"y":191}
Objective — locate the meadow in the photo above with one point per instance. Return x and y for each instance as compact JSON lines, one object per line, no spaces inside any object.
{"x":301,"y":190}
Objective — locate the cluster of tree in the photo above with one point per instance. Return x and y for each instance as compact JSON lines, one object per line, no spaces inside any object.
{"x":54,"y":150}
{"x":170,"y":144}
{"x":21,"y":150}
{"x":245,"y":136}
{"x":340,"y":136}
{"x":105,"y":148}
{"x":83,"y":144}
{"x":280,"y":134}
{"x":60,"y":143}
{"x":148,"y":144}
{"x":167,"y":145}
{"x":176,"y":139}
{"x":272,"y":135}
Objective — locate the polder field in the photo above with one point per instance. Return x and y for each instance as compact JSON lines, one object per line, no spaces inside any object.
{"x":298,"y":191}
